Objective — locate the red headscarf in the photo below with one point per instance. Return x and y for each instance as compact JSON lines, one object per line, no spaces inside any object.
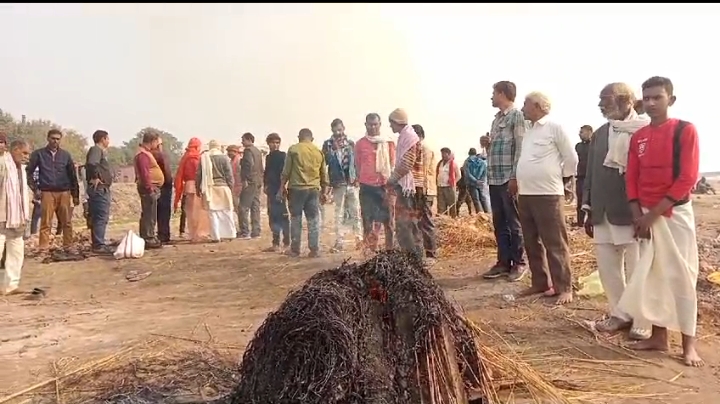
{"x":187,"y":168}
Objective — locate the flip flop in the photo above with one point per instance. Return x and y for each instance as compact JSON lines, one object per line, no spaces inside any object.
{"x":639,"y":334}
{"x":134,"y":276}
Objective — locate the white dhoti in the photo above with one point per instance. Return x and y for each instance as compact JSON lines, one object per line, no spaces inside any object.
{"x":617,"y":253}
{"x":12,"y":241}
{"x":222,"y":217}
{"x":662,"y":289}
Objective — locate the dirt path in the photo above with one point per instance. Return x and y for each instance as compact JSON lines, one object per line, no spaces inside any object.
{"x":224,"y":291}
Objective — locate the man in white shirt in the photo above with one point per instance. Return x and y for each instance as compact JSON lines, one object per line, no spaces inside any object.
{"x":547,"y":161}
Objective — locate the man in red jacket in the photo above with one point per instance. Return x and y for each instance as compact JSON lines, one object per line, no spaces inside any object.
{"x":662,"y":169}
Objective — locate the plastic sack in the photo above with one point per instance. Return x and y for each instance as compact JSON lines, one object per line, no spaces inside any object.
{"x":131,"y":246}
{"x":590,"y":285}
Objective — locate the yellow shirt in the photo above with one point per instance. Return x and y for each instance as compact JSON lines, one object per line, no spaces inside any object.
{"x":305,"y":167}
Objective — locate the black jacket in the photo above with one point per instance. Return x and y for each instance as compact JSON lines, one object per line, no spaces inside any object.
{"x":56,"y":171}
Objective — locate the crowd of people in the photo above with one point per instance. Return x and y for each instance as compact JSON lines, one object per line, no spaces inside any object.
{"x":633,"y":177}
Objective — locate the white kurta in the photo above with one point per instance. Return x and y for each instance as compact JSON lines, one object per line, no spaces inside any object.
{"x":662,"y":289}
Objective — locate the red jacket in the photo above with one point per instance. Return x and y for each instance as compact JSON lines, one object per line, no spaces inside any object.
{"x":649,"y":176}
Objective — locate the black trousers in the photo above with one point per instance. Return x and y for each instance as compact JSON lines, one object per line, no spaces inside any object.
{"x":164,"y":210}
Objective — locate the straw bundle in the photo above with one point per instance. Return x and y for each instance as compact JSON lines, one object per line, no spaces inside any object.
{"x":378,"y":332}
{"x":464,"y":234}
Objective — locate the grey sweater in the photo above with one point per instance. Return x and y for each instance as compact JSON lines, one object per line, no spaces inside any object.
{"x":221,"y":172}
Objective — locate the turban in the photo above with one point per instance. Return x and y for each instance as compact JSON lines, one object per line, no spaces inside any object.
{"x":399,"y":116}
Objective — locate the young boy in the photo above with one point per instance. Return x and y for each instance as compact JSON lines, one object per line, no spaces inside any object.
{"x":277,"y":206}
{"x":662,"y":169}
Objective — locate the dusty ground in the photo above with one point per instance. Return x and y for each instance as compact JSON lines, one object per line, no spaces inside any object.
{"x":223,"y":292}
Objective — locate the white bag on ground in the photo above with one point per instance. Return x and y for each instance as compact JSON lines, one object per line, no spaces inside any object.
{"x":131,"y":246}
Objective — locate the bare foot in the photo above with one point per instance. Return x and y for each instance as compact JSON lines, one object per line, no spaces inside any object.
{"x":612,"y":324}
{"x":690,"y":355}
{"x":691,"y":358}
{"x":653,"y":343}
{"x":550,"y":292}
{"x":532,"y":290}
{"x":564,"y":298}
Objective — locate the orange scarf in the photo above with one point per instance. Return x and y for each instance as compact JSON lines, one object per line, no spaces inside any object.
{"x":187,"y":168}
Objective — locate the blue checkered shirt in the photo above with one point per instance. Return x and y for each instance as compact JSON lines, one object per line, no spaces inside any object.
{"x":506,"y":136}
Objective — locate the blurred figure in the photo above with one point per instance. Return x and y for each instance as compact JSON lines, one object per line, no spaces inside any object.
{"x":276,"y":204}
{"x":164,"y":208}
{"x":426,"y":200}
{"x":340,"y":158}
{"x":99,"y":179}
{"x":304,"y":181}
{"x":252,"y":173}
{"x":374,"y":160}
{"x":57,"y":187}
{"x":150,"y":178}
{"x":476,"y":175}
{"x":235,"y":155}
{"x":15,"y":213}
{"x":214,"y":182}
{"x":198,"y":220}
{"x":582,"y":149}
{"x":406,"y":181}
{"x":447,"y":172}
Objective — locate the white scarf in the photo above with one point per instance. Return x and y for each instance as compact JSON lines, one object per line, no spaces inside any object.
{"x":619,"y":134}
{"x":406,"y":141}
{"x":383,"y":166}
{"x":19,"y":211}
{"x":206,"y":181}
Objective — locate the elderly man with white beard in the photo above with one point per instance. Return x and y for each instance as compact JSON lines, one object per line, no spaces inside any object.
{"x":610,"y":219}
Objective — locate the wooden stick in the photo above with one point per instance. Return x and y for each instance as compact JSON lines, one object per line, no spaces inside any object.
{"x":197,"y":341}
{"x":57,"y":385}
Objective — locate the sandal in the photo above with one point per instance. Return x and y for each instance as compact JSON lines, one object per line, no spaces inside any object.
{"x":639,"y":334}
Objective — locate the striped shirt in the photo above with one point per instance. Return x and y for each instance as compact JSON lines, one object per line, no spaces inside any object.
{"x":506,"y":136}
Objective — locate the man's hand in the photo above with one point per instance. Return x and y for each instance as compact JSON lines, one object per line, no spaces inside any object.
{"x":37,"y":195}
{"x":589,"y":228}
{"x":95,"y":182}
{"x":76,"y":201}
{"x":479,"y":183}
{"x":644,"y":224}
{"x":512,"y":187}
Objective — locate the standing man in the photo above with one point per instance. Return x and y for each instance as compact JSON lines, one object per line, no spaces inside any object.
{"x":374,"y":160}
{"x":214,"y":181}
{"x":276,"y":202}
{"x":339,"y":154}
{"x":609,"y":218}
{"x":447,"y":172}
{"x":235,"y":156}
{"x":150,"y":178}
{"x":15,"y":212}
{"x":582,"y":150}
{"x":99,"y":179}
{"x":426,"y":200}
{"x":57,"y":187}
{"x":304,"y":181}
{"x":251,"y":173}
{"x":164,"y":207}
{"x":548,"y":162}
{"x":506,"y":139}
{"x":662,"y":169}
{"x":407,"y":180}
{"x":476,"y":176}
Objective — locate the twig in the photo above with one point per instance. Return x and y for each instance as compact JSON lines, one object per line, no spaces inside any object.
{"x":638,"y":376}
{"x":197,"y":341}
{"x":57,"y":385}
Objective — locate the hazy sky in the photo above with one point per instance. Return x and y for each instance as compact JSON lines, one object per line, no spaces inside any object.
{"x":218,"y":70}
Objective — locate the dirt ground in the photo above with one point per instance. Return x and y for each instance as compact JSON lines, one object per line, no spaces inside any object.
{"x":222,"y":292}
